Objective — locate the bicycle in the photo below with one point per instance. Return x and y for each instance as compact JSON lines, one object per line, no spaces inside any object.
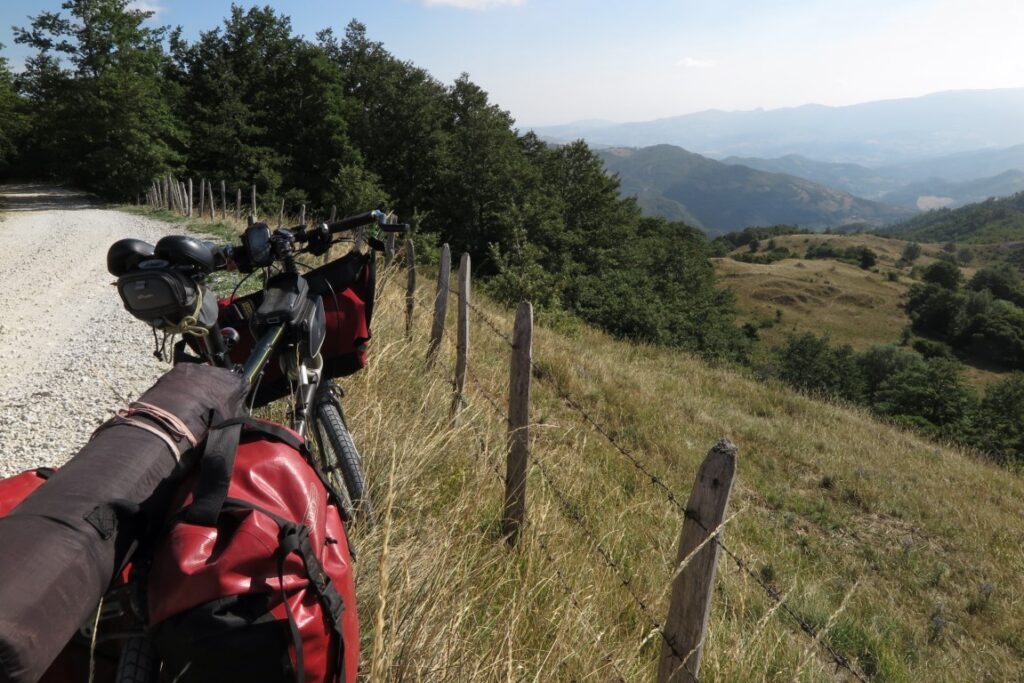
{"x":287,"y":321}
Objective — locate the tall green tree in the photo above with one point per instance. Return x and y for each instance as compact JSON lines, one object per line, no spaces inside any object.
{"x":96,"y":84}
{"x":12,"y":117}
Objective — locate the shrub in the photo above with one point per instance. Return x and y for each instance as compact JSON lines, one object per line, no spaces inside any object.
{"x":812,"y":364}
{"x":944,"y":274}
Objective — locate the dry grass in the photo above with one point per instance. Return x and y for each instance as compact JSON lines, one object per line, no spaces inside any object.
{"x":826,"y":499}
{"x":851,"y":305}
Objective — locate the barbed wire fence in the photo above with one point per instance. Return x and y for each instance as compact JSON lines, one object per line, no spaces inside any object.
{"x":572,"y":513}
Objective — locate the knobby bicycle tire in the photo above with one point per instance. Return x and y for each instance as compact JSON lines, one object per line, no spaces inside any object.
{"x":341,"y":461}
{"x":139,"y":662}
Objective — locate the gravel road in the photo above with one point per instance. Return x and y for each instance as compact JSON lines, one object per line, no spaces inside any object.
{"x":70,"y":355}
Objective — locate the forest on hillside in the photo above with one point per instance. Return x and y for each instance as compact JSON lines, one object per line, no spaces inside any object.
{"x":108,"y":102}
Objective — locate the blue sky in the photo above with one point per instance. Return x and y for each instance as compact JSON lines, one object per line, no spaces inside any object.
{"x":554,"y":61}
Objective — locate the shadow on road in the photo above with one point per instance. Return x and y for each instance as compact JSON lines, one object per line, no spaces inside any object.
{"x":15,"y":197}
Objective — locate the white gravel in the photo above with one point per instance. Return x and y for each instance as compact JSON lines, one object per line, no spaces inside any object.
{"x":70,"y":355}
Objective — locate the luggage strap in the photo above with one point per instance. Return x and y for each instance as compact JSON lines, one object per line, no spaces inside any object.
{"x":293,"y":537}
{"x":218,"y":462}
{"x":161,"y":423}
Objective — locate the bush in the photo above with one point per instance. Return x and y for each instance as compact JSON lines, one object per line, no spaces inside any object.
{"x":933,"y":391}
{"x":911,"y":252}
{"x":812,"y":364}
{"x":1003,"y":282}
{"x":944,"y":274}
{"x":1001,"y":419}
{"x":881,"y":362}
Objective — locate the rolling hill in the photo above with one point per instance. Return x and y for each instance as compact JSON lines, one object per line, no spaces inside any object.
{"x":938,"y":193}
{"x":872,"y":133}
{"x":717,"y":197}
{"x":995,"y":221}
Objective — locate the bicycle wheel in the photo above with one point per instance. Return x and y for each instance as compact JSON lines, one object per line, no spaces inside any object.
{"x":139,"y":662}
{"x":339,"y":458}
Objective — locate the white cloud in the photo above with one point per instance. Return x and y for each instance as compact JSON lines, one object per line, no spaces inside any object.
{"x":472,"y":4}
{"x":148,"y":6}
{"x":697,"y":63}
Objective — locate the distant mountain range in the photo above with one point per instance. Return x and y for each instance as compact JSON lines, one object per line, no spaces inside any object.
{"x":875,"y":183}
{"x":886,"y":133}
{"x":718,"y":197}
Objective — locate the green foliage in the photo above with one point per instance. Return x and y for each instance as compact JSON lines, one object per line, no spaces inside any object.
{"x":1001,"y":418}
{"x":911,"y":252}
{"x":813,"y":364}
{"x":1003,"y":282}
{"x":932,"y":391}
{"x":944,"y":274}
{"x":723,"y":244}
{"x":101,"y":111}
{"x":12,"y":118}
{"x":989,"y":222}
{"x":858,"y":256}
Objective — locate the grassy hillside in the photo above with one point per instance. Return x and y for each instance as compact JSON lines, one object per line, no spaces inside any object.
{"x":853,"y":306}
{"x":994,"y":221}
{"x":829,"y":506}
{"x":827,"y":501}
{"x":672,"y":182}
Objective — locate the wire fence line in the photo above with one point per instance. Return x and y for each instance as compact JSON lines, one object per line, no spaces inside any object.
{"x":549,"y":557}
{"x":840,"y":660}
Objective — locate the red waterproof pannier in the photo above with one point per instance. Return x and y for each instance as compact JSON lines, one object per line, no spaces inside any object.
{"x":346,"y":286}
{"x":15,"y":489}
{"x":253,"y":580}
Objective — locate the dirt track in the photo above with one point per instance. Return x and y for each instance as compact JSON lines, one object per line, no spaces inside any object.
{"x":69,"y":353}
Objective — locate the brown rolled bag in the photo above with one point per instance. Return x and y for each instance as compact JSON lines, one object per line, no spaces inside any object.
{"x":61,"y":547}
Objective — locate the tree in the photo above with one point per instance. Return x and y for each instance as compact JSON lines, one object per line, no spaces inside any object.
{"x":937,"y":311}
{"x":944,"y":274}
{"x":911,"y":252}
{"x":103,"y":120}
{"x":933,"y":392}
{"x":12,"y":117}
{"x":812,"y":364}
{"x":868,"y":259}
{"x":881,"y":362}
{"x":1004,"y":282}
{"x":1001,"y":418}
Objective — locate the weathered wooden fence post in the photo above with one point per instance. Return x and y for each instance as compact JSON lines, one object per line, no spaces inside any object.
{"x":461,"y":337}
{"x":238,"y":204}
{"x":202,"y":197}
{"x":254,"y":214}
{"x":518,"y":424}
{"x":280,"y":215}
{"x":444,"y":272}
{"x":410,"y":287}
{"x":334,"y":213}
{"x":389,"y":249}
{"x":191,"y":191}
{"x":302,"y":214}
{"x":692,"y":585}
{"x":223,"y":201}
{"x":209,"y":189}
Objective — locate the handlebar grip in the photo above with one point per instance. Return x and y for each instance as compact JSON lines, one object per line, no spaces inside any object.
{"x":353,"y":221}
{"x":395,"y":227}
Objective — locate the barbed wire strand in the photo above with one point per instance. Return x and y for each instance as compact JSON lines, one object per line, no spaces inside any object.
{"x":571,"y":513}
{"x":840,"y":660}
{"x":563,"y":583}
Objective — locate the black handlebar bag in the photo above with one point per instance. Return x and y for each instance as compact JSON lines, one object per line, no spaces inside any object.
{"x":61,"y":547}
{"x":346,"y":286}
